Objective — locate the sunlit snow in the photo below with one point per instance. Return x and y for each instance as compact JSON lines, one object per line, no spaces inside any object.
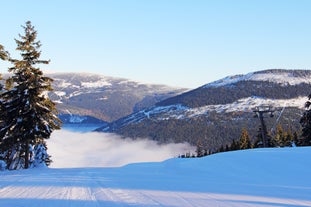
{"x":281,"y":77}
{"x":245,"y":105}
{"x":250,"y":178}
{"x":60,"y":93}
{"x":95,"y":84}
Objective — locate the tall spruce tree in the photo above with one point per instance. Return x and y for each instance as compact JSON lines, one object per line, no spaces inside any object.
{"x":280,"y":136}
{"x":31,"y":115}
{"x":305,"y":122}
{"x":284,"y":139}
{"x":245,"y":142}
{"x":3,"y":56}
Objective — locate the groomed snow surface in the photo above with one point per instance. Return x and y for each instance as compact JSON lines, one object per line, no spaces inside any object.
{"x":258,"y":177}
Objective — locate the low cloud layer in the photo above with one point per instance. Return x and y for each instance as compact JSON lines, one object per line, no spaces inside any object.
{"x":73,"y":149}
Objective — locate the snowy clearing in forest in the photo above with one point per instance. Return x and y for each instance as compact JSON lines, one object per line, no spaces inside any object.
{"x":258,"y":177}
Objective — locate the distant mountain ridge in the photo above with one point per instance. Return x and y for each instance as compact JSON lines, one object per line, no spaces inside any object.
{"x":272,"y":84}
{"x":102,"y":97}
{"x":216,"y":112}
{"x":281,"y":76}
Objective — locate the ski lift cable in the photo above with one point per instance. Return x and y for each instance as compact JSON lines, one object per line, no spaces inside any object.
{"x":277,"y":120}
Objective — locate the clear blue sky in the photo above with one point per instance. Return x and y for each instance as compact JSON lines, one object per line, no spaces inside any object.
{"x":184,"y":43}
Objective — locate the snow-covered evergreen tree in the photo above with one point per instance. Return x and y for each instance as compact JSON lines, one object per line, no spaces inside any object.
{"x":39,"y":155}
{"x":2,"y":165}
{"x":30,"y":115}
{"x":3,"y":56}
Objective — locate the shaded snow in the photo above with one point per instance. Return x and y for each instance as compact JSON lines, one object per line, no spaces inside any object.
{"x":76,"y":119}
{"x":63,"y":83}
{"x":248,"y":104}
{"x":171,"y":111}
{"x":250,"y":178}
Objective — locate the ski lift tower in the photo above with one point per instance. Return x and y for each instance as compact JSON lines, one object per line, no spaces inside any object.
{"x":259,"y":113}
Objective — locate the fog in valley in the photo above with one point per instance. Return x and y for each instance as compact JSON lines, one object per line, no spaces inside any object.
{"x":74,"y":149}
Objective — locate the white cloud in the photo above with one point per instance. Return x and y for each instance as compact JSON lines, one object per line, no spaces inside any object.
{"x":73,"y":149}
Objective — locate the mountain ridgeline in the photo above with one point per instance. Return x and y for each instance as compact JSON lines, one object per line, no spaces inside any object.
{"x":269,"y":84}
{"x":216,"y":113}
{"x":103,"y":98}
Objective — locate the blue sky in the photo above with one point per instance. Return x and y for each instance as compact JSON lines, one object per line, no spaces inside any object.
{"x":184,"y":43}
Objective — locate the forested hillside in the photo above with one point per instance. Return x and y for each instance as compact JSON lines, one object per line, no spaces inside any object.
{"x":105,"y":98}
{"x":216,"y":113}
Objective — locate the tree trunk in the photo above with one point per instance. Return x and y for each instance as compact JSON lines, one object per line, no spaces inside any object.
{"x":27,"y":155}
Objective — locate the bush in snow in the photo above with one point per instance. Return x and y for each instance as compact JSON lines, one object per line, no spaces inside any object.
{"x":2,"y":165}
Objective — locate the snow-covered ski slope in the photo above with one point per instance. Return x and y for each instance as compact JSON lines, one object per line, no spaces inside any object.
{"x":259,"y":177}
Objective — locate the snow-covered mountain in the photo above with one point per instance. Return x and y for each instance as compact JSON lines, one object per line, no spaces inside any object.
{"x":102,"y":97}
{"x":249,"y":178}
{"x":283,"y":77}
{"x":216,"y":112}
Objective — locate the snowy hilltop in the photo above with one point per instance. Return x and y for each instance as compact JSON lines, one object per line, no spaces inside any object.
{"x":283,"y":77}
{"x":103,"y":97}
{"x":215,"y":113}
{"x":250,"y":178}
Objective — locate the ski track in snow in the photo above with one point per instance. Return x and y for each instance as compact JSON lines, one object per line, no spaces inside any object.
{"x":233,"y":179}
